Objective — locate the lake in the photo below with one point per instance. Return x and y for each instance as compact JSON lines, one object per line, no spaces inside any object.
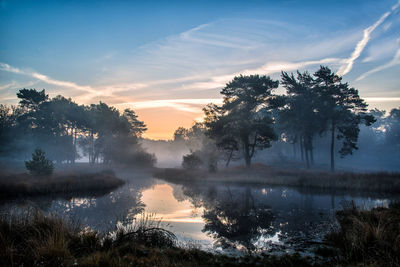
{"x":224,"y":218}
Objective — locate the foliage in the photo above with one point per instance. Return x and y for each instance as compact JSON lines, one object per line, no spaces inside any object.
{"x":244,"y":121}
{"x":203,"y":151}
{"x":60,"y":126}
{"x":342,"y":110}
{"x":319,"y":104}
{"x":393,"y":129}
{"x":299,"y":118}
{"x":39,"y":165}
{"x":31,"y":99}
{"x":191,"y":161}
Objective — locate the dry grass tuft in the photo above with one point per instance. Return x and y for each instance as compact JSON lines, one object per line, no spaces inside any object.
{"x":368,"y":237}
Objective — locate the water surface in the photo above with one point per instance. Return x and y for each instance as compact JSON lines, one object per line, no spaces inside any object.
{"x":215,"y":217}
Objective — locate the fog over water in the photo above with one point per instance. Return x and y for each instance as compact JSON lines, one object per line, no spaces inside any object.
{"x":213,"y":216}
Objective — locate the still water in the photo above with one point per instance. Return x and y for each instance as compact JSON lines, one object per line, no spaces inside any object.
{"x":226,"y":218}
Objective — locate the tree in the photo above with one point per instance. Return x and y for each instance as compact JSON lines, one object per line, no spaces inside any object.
{"x":244,"y":120}
{"x":393,"y":129}
{"x":39,"y":165}
{"x":10,"y":131}
{"x":31,"y":98}
{"x":191,"y":161}
{"x":342,"y":111}
{"x":237,"y":219}
{"x":135,"y":126}
{"x":180,"y":134}
{"x":299,"y":117}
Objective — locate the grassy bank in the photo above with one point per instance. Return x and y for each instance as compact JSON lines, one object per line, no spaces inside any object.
{"x":32,"y":239}
{"x":22,"y":184}
{"x":384,"y":182}
{"x":28,"y":238}
{"x":367,"y":238}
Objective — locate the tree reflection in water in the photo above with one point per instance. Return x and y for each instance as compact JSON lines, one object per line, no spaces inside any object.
{"x":257,"y":218}
{"x":233,"y":217}
{"x":101,"y":213}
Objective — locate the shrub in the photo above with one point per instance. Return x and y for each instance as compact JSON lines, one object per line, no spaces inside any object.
{"x":191,"y":161}
{"x":39,"y":165}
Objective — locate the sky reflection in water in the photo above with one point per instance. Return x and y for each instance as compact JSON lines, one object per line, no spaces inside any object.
{"x":218,"y":217}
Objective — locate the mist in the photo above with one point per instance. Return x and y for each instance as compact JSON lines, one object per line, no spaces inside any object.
{"x":275,"y":155}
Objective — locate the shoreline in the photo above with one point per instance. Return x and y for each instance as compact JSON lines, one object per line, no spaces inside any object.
{"x":14,"y":185}
{"x":374,"y":182}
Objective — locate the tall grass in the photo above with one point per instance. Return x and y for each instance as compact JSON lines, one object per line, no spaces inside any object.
{"x":29,"y":238}
{"x":368,"y":237}
{"x":146,"y":230}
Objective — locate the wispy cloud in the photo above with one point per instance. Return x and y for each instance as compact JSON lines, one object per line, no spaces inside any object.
{"x":45,"y":78}
{"x":346,"y":68}
{"x":276,"y":67}
{"x":395,"y":61}
{"x":14,"y":84}
{"x":88,"y":92}
{"x":381,"y":49}
{"x":266,"y":69}
{"x":382,"y":99}
{"x":8,"y":85}
{"x":186,"y":105}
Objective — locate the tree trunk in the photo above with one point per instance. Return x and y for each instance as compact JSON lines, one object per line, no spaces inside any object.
{"x":294,"y":151}
{"x":301,"y":148}
{"x":246,"y":151}
{"x":248,"y":161}
{"x":311,"y":149}
{"x":307,"y":159}
{"x":333,"y":147}
{"x":74,"y":155}
{"x":247,"y":156}
{"x":229,"y":158}
{"x":312,"y":155}
{"x":91,"y":149}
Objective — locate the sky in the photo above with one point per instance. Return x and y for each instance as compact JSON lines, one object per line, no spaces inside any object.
{"x":168,"y":59}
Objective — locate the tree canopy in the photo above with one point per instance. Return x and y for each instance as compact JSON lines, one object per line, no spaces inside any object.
{"x":58,"y":124}
{"x":244,"y":121}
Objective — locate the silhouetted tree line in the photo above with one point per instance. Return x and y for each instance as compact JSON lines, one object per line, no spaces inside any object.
{"x":63,"y":128}
{"x":317,"y":107}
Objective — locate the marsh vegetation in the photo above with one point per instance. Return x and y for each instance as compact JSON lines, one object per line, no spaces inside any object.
{"x":30,"y":238}
{"x":13,"y":185}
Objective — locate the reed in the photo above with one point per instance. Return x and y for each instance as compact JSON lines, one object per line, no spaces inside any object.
{"x":29,"y":238}
{"x":368,"y":237}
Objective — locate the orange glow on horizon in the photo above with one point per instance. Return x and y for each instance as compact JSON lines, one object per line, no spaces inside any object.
{"x":162,"y":122}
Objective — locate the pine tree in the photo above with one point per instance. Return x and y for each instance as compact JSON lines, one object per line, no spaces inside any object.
{"x":39,"y":165}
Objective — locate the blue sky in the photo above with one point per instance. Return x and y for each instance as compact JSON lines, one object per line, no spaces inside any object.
{"x":167,"y":59}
